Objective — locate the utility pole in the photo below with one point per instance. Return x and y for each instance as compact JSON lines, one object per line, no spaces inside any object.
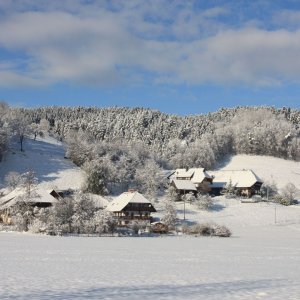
{"x":184,"y":205}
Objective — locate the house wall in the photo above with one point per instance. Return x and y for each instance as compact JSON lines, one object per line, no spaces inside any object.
{"x":126,"y":217}
{"x":204,"y":186}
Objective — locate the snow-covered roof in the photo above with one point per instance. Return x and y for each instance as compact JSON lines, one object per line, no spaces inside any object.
{"x":128,"y":197}
{"x":199,"y":175}
{"x":15,"y":196}
{"x":167,"y":173}
{"x":239,"y":178}
{"x":98,"y":200}
{"x":184,"y":185}
{"x":43,"y":196}
{"x":10,"y":196}
{"x":183,"y":173}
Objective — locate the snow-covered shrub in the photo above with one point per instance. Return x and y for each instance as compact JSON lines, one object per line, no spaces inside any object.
{"x":189,"y":197}
{"x":204,"y":201}
{"x":201,"y":229}
{"x":136,"y":227}
{"x":288,"y":194}
{"x":207,"y":229}
{"x":269,"y":190}
{"x":221,"y":230}
{"x":37,"y":226}
{"x":20,"y":223}
{"x":185,"y":229}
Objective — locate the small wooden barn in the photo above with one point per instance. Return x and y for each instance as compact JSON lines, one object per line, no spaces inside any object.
{"x":184,"y":186}
{"x":131,"y":206}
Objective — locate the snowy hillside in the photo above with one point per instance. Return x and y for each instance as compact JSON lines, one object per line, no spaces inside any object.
{"x":237,"y":215}
{"x":260,"y":261}
{"x":267,"y":168}
{"x":46,"y":158}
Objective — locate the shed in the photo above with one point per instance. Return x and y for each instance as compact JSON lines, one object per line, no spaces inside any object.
{"x":184,"y":186}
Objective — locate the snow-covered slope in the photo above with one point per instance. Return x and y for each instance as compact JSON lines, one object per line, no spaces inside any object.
{"x":237,"y":215}
{"x":46,"y":158}
{"x":266,"y":167}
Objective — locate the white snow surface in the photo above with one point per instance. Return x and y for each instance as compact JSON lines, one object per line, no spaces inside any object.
{"x":260,"y":261}
{"x":46,"y":158}
{"x":260,"y":264}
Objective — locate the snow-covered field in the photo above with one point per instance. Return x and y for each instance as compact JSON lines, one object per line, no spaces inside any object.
{"x":260,"y":261}
{"x":237,"y":216}
{"x":256,"y":264}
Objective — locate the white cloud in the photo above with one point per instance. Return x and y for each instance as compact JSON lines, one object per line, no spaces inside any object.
{"x":115,"y":41}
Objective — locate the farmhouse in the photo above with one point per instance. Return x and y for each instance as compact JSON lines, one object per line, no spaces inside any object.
{"x":40,"y":199}
{"x":200,"y":179}
{"x":131,"y":206}
{"x":246,"y":182}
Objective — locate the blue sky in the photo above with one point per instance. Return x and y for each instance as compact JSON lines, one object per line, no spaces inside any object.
{"x":183,"y":57}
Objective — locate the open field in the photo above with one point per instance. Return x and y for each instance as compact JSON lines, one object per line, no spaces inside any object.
{"x":256,"y":264}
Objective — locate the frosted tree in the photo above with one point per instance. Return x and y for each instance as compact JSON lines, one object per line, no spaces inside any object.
{"x":149,"y":179}
{"x":96,"y":178}
{"x":44,"y":127}
{"x":170,"y":213}
{"x":63,"y":214}
{"x":77,"y":148}
{"x":104,"y":222}
{"x":39,"y":129}
{"x":13,"y":179}
{"x":4,"y":127}
{"x":172,"y":194}
{"x":22,"y":212}
{"x":84,"y":209}
{"x":288,"y":193}
{"x":20,"y":127}
{"x":29,"y":182}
